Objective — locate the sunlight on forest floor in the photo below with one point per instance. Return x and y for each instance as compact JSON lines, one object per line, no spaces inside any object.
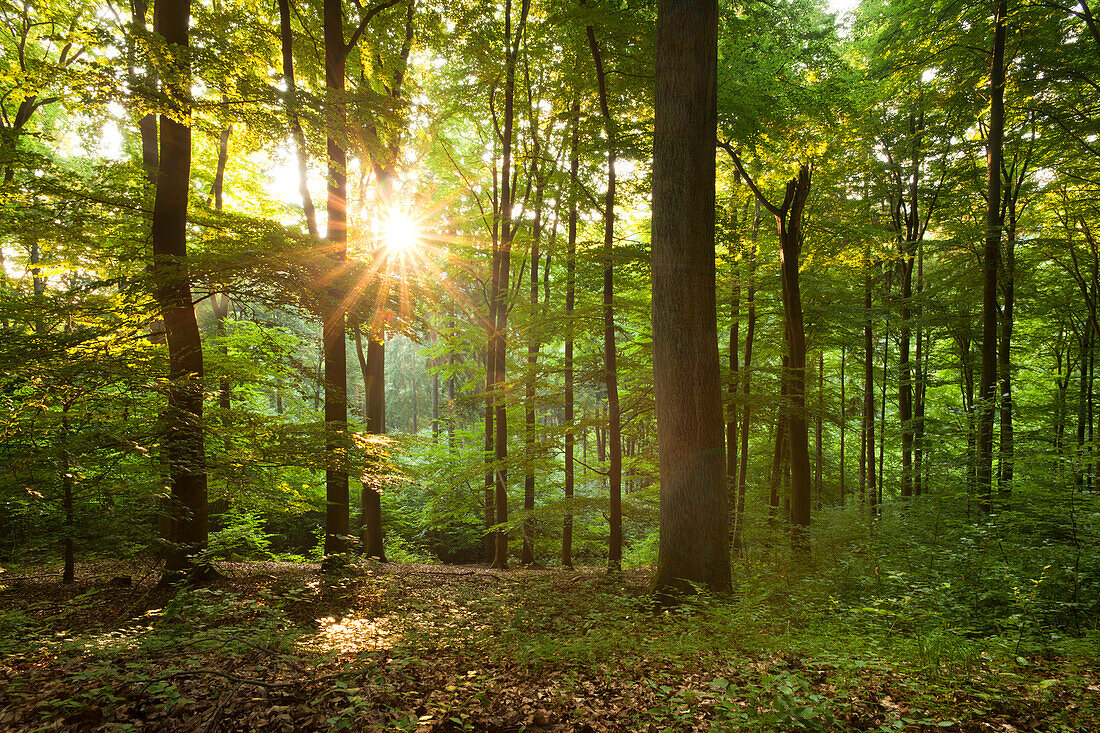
{"x":433,"y":649}
{"x":352,"y":635}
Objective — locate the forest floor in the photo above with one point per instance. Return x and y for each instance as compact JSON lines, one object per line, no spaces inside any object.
{"x":273,"y":647}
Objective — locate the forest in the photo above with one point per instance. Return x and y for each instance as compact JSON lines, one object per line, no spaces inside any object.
{"x":608,"y":365}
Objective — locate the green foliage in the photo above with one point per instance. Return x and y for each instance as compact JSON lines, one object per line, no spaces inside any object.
{"x":242,"y":537}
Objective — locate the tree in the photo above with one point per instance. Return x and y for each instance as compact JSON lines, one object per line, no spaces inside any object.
{"x":611,"y":372}
{"x":694,"y":544}
{"x":788,"y":217}
{"x":991,"y":258}
{"x":334,"y":331}
{"x":184,"y":428}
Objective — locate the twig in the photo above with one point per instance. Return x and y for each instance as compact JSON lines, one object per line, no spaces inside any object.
{"x":218,"y":673}
{"x":468,"y":572}
{"x":216,"y":715}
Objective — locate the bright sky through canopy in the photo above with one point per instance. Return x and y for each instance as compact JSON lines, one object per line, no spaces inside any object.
{"x":400,"y":233}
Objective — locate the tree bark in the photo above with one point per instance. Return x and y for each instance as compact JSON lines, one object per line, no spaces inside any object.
{"x":918,"y":396}
{"x":528,"y":553}
{"x":788,"y":216}
{"x":991,"y":257}
{"x":570,"y":296}
{"x":611,"y":372}
{"x":333,"y":335}
{"x":286,"y":37}
{"x":694,"y":540}
{"x":512,"y":43}
{"x":372,"y":366}
{"x":746,"y":409}
{"x":867,"y":452}
{"x":882,"y":412}
{"x":733,"y":383}
{"x":843,"y":420}
{"x":184,"y":435}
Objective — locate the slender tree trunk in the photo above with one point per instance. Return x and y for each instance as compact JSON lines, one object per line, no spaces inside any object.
{"x":436,"y":428}
{"x":147,"y":126}
{"x":528,"y":556}
{"x":882,"y":414}
{"x":570,"y":294}
{"x":512,"y":43}
{"x":1004,"y":356}
{"x":372,"y":366}
{"x":1090,"y":444}
{"x":1082,"y":390}
{"x":918,"y":397}
{"x":867,"y":453}
{"x":843,"y":420}
{"x":451,"y":407}
{"x":788,"y":217}
{"x":1062,"y":383}
{"x":819,"y":434}
{"x":694,"y":539}
{"x":750,"y":334}
{"x":611,"y":373}
{"x":905,"y":378}
{"x":782,"y":424}
{"x":733,"y":383}
{"x":991,"y":262}
{"x":489,"y":497}
{"x":286,"y":37}
{"x":791,"y":244}
{"x":221,"y":302}
{"x":68,"y":574}
{"x":185,"y":433}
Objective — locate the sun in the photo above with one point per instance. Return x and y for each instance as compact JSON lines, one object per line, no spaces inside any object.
{"x":400,"y":233}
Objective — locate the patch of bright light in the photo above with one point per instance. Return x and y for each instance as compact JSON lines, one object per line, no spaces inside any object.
{"x":400,"y":233}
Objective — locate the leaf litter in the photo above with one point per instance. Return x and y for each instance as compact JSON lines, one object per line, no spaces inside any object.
{"x":277,"y":647}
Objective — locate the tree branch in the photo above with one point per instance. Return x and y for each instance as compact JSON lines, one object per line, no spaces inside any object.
{"x":366,"y":21}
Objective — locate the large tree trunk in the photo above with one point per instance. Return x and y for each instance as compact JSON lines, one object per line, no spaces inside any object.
{"x":184,"y":427}
{"x":333,"y":334}
{"x":611,"y":372}
{"x":991,"y":258}
{"x":694,"y":540}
